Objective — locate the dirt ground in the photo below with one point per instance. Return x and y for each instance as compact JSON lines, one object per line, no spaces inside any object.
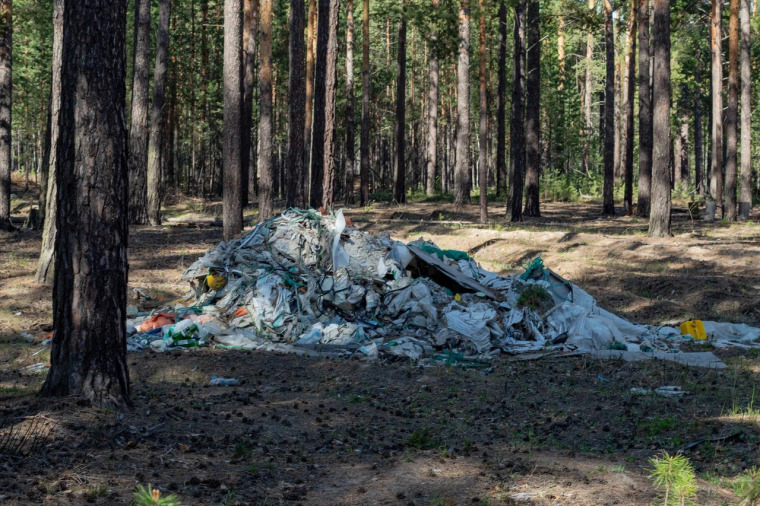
{"x":318,"y":431}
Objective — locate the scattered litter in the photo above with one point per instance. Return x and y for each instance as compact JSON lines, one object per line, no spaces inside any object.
{"x":27,"y":337}
{"x":665,"y":391}
{"x":17,"y":313}
{"x":38,"y":368}
{"x":225,"y":382}
{"x":307,"y":282}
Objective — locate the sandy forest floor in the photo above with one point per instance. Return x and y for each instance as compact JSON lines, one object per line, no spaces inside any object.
{"x":318,"y":431}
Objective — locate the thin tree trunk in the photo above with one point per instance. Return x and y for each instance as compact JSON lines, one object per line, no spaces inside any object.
{"x":483,"y":134}
{"x":364,"y":153}
{"x":462,"y":181}
{"x":89,"y":349}
{"x":44,"y":273}
{"x":399,"y":167}
{"x":609,"y":112}
{"x":699,"y":179}
{"x":732,"y":113}
{"x":745,"y":194}
{"x":629,"y":129}
{"x":659,"y":219}
{"x":350,"y":155}
{"x":432,"y":133}
{"x":533,"y":112}
{"x":684,"y":156}
{"x":501,"y":113}
{"x":716,"y":128}
{"x":138,"y":131}
{"x":645,"y":113}
{"x":331,"y":82}
{"x":157,"y":120}
{"x":587,"y":96}
{"x":311,"y":44}
{"x":6,"y":108}
{"x":296,"y":106}
{"x":516,"y":123}
{"x":266,"y":120}
{"x":250,"y":27}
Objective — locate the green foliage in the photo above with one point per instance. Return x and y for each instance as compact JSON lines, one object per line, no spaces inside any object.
{"x":423,"y":439}
{"x":534,"y":297}
{"x":674,"y":476}
{"x":152,"y":497}
{"x":749,"y":487}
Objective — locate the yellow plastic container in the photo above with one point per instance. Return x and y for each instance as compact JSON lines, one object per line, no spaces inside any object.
{"x":215,"y":281}
{"x":694,"y":328}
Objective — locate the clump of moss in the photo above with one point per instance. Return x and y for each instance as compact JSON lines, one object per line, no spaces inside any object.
{"x":534,"y":297}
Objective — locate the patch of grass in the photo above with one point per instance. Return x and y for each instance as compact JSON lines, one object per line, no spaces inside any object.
{"x":242,"y":451}
{"x":255,"y":468}
{"x":423,"y":439}
{"x":534,"y":297}
{"x":658,"y":424}
{"x":748,"y":487}
{"x":152,"y":497}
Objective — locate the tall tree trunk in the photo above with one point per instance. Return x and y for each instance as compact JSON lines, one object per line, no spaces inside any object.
{"x":629,"y":129}
{"x":501,"y":113}
{"x":483,"y":134}
{"x":6,"y":107}
{"x":399,"y":166}
{"x":432,"y":133}
{"x":311,"y":46}
{"x":364,"y":154}
{"x":699,"y":179}
{"x":732,"y":113}
{"x":323,"y":133}
{"x":562,"y":131}
{"x":516,"y":122}
{"x":232,"y":127}
{"x":659,"y":219}
{"x":608,"y":207}
{"x":44,"y":273}
{"x":745,"y":194}
{"x":350,"y":155}
{"x":250,"y":27}
{"x":684,"y":155}
{"x":462,"y":181}
{"x":89,"y":349}
{"x":716,"y":128}
{"x":587,"y":96}
{"x":158,"y":119}
{"x":645,"y":113}
{"x":138,"y":131}
{"x":266,"y":120}
{"x":296,"y":106}
{"x":617,"y":160}
{"x":533,"y":111}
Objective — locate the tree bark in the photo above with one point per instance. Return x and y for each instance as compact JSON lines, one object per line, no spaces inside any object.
{"x":516,"y":122}
{"x":732,"y":113}
{"x":608,"y":207}
{"x":629,"y":129}
{"x":716,"y":128}
{"x":699,"y":179}
{"x":296,"y":106}
{"x":350,"y":155}
{"x":533,"y":111}
{"x":158,"y":120}
{"x":250,"y":27}
{"x":684,"y":154}
{"x":88,"y":355}
{"x":432,"y":131}
{"x":138,"y":131}
{"x":399,"y":166}
{"x":645,"y":113}
{"x":462,"y":181}
{"x":364,"y":154}
{"x":311,"y":46}
{"x":483,"y":134}
{"x":266,"y":123}
{"x":323,"y":145}
{"x":45,"y":264}
{"x":501,"y":113}
{"x":659,"y":219}
{"x":587,"y":96}
{"x":6,"y":109}
{"x":745,"y":194}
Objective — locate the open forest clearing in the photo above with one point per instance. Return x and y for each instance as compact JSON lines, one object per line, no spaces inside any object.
{"x":320,"y":431}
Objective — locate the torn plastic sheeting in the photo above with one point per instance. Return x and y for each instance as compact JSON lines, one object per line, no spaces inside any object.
{"x":339,"y":255}
{"x":472,"y":324}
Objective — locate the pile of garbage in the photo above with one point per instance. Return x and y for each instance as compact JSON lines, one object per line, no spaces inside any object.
{"x":308,"y":282}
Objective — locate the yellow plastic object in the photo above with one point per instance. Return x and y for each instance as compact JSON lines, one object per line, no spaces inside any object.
{"x":215,"y":281}
{"x":458,"y":298}
{"x":695,"y":328}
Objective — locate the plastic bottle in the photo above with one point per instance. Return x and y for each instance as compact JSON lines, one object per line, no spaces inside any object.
{"x":225,"y":382}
